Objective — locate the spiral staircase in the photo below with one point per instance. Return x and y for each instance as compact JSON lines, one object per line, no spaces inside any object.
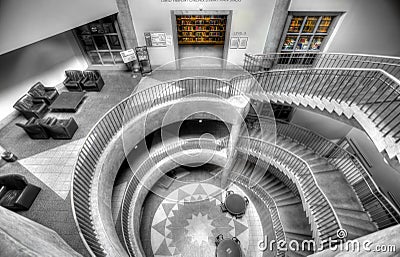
{"x":291,"y":170}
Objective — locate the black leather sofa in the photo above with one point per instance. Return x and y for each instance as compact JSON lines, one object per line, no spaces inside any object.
{"x":30,"y":107}
{"x":39,"y":91}
{"x":16,"y":193}
{"x":33,"y":128}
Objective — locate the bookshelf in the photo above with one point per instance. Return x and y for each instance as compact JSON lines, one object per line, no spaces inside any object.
{"x":306,"y":33}
{"x":201,"y":29}
{"x":305,"y":36}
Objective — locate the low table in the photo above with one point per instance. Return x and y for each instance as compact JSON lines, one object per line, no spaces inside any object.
{"x":228,"y":248}
{"x":235,"y":204}
{"x":67,"y":102}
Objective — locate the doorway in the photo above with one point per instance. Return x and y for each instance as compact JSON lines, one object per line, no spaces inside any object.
{"x":201,"y":33}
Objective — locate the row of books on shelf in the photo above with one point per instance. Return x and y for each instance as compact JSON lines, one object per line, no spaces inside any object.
{"x":201,"y":22}
{"x":218,"y":28}
{"x":310,"y":24}
{"x":200,"y":34}
{"x":204,"y":17}
{"x":199,"y":39}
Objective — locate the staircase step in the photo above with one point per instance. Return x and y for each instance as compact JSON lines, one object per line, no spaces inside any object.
{"x":298,"y":236}
{"x":287,"y":201}
{"x":355,"y":232}
{"x":352,"y":213}
{"x":357,"y":223}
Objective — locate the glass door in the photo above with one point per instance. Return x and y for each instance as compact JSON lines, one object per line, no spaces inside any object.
{"x":101,"y":41}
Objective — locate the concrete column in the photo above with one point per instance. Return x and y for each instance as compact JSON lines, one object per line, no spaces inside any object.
{"x":21,"y":237}
{"x":241,"y":107}
{"x":125,"y":23}
{"x":276,"y":26}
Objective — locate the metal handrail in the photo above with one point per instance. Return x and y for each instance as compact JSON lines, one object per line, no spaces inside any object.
{"x":371,"y":86}
{"x":372,"y":91}
{"x":163,"y":153}
{"x":279,"y":232}
{"x":260,"y":62}
{"x":334,"y":154}
{"x":300,"y":170}
{"x":108,"y":126}
{"x":152,"y":160}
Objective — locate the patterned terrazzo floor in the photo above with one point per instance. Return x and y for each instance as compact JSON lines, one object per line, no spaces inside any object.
{"x":188,"y":220}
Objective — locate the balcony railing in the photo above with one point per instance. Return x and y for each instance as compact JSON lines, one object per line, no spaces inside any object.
{"x":375,"y":92}
{"x":372,"y":92}
{"x":132,"y":242}
{"x":322,"y":216}
{"x":263,"y":62}
{"x":382,"y":211}
{"x":108,"y":126}
{"x":270,"y":203}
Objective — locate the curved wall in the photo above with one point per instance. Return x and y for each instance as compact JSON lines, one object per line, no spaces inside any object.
{"x":113,"y":156}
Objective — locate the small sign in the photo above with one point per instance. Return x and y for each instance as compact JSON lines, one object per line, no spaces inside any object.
{"x":234,"y":43}
{"x":155,"y":39}
{"x":128,"y":55}
{"x":158,"y":39}
{"x":243,"y":42}
{"x":169,"y":40}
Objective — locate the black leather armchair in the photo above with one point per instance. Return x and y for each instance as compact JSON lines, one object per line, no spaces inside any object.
{"x":33,"y":128}
{"x":30,"y":107}
{"x":60,"y":129}
{"x":73,"y":82}
{"x":16,"y":193}
{"x":92,"y":80}
{"x":39,"y":91}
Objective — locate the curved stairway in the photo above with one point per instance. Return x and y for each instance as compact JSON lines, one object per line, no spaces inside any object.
{"x":323,"y":215}
{"x":286,"y":201}
{"x":332,"y":182}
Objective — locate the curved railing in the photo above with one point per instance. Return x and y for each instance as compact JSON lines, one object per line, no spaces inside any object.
{"x":108,"y":126}
{"x":160,"y":154}
{"x":154,"y":158}
{"x":374,"y":92}
{"x":322,"y":216}
{"x":262,"y":62}
{"x":270,"y":203}
{"x":375,"y":203}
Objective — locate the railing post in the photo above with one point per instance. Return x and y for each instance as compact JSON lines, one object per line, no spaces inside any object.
{"x":242,"y":106}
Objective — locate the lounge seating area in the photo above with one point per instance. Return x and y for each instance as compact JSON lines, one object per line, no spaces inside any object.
{"x":39,"y":91}
{"x":50,"y":127}
{"x":16,"y":193}
{"x":89,"y":80}
{"x":39,"y":100}
{"x":30,"y":107}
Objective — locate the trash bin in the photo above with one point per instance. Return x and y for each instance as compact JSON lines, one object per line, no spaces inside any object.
{"x":9,"y":156}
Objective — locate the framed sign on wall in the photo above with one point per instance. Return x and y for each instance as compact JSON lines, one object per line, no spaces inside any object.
{"x":155,"y":39}
{"x":234,"y":43}
{"x":243,"y":42}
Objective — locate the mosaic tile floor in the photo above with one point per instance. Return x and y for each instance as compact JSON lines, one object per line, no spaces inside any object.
{"x":189,"y":219}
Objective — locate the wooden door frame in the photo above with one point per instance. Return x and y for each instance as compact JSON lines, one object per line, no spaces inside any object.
{"x":174,"y":13}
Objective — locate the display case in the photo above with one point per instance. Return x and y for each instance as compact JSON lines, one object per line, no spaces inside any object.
{"x":201,"y":29}
{"x":143,"y":59}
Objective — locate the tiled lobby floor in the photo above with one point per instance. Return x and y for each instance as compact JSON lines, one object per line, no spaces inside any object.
{"x":187,"y":219}
{"x":49,"y":164}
